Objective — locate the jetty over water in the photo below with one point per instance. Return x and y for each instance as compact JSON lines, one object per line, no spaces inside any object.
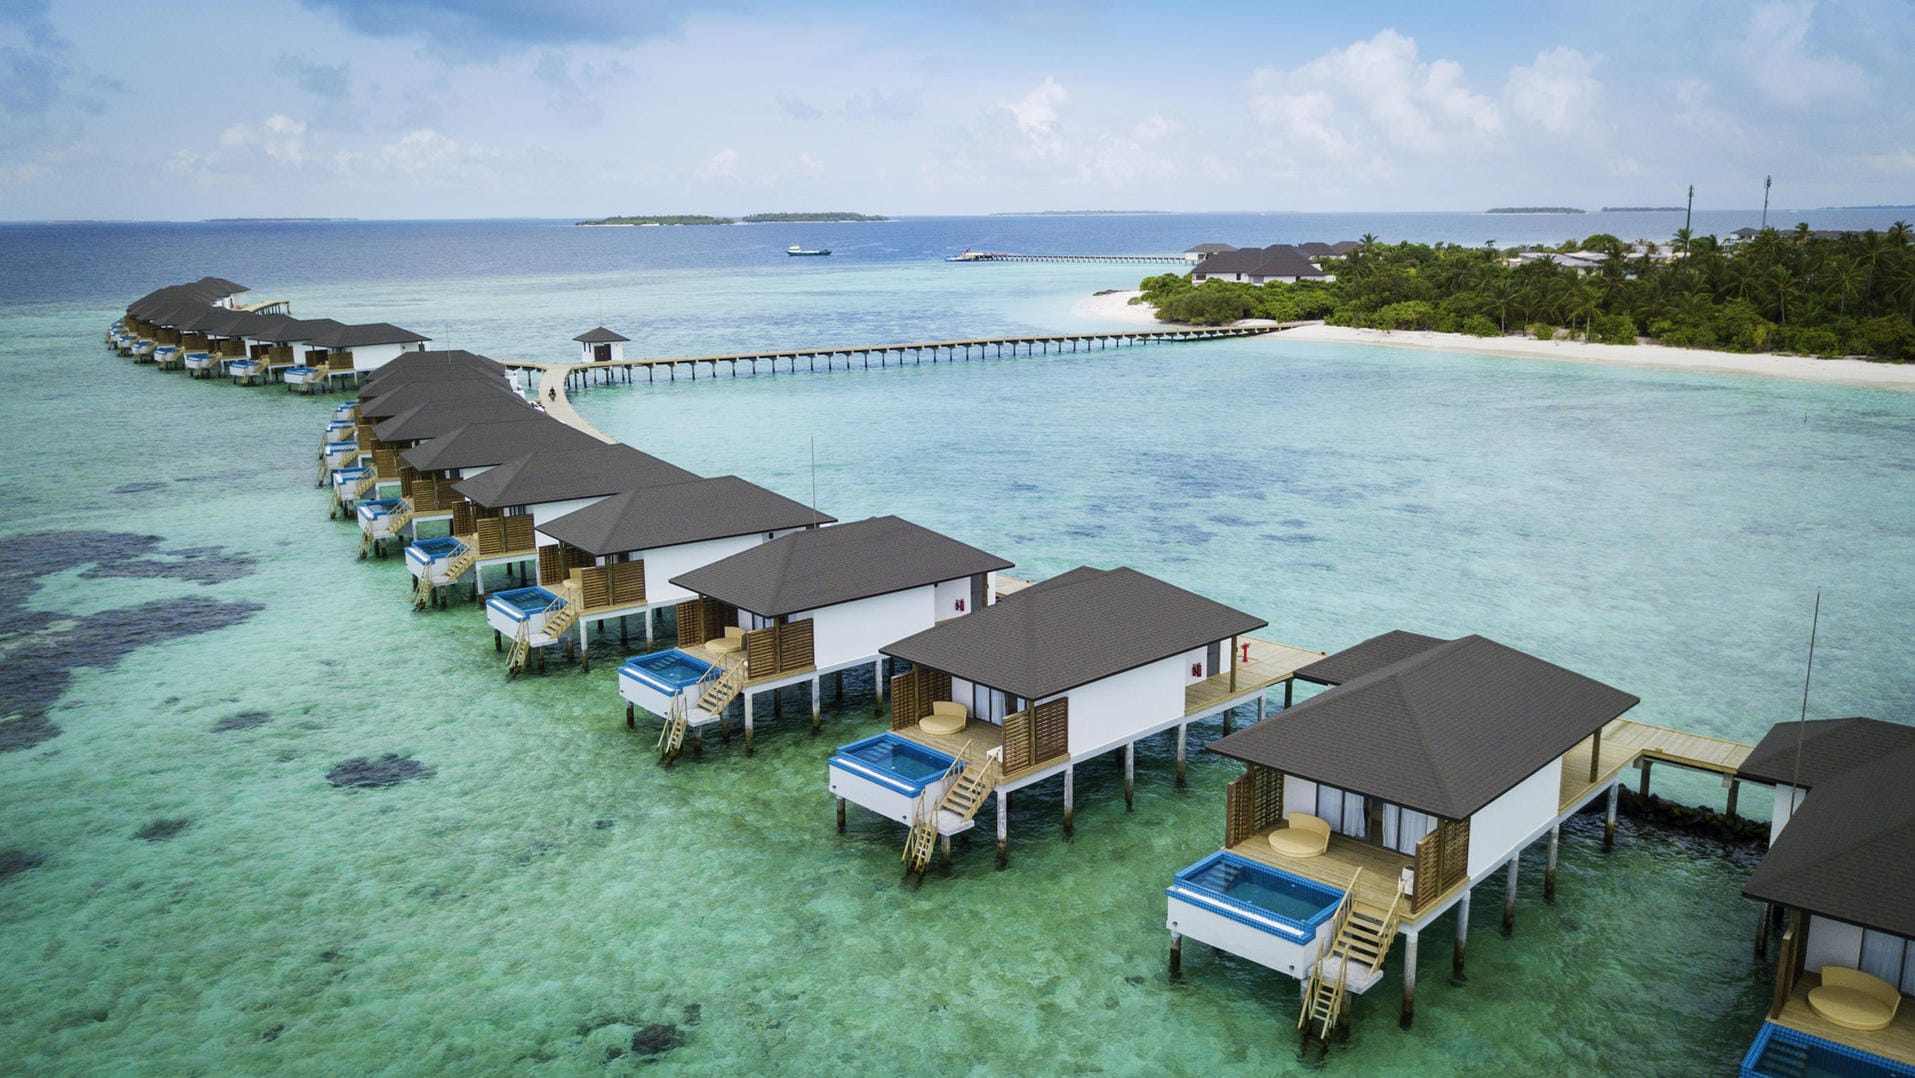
{"x":1010,"y":256}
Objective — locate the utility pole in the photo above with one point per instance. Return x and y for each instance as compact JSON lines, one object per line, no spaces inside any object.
{"x":1686,"y":215}
{"x":1766,"y":180}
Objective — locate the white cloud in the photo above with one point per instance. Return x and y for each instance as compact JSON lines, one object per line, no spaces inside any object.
{"x":722,"y":166}
{"x":280,"y":137}
{"x":1558,"y":93}
{"x":1036,"y":116}
{"x":1372,"y":99}
{"x":1152,"y":128}
{"x":1778,"y":58}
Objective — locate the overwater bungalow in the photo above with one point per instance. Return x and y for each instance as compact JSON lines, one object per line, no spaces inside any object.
{"x":601,"y":345}
{"x":1023,"y":691}
{"x":220,"y":338}
{"x":274,"y":345}
{"x":427,"y":471}
{"x":381,"y":440}
{"x":494,"y":523}
{"x":814,"y":602}
{"x":351,"y":351}
{"x":621,"y":554}
{"x":1841,"y":870}
{"x":1368,"y":811}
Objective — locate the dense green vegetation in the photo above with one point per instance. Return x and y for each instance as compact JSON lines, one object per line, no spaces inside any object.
{"x":830,"y":215}
{"x":1778,"y":292}
{"x":669,"y":219}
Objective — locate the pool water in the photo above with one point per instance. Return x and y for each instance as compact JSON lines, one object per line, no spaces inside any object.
{"x":1781,"y":1052}
{"x":673,"y":668}
{"x":905,"y":759}
{"x":438,"y":547}
{"x":1267,"y":889}
{"x":526,"y":601}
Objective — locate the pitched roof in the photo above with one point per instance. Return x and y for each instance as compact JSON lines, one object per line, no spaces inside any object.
{"x":411,"y":394}
{"x":651,"y":517}
{"x":284,"y":329}
{"x":1208,"y":249}
{"x":1829,"y":747}
{"x":1284,"y":260}
{"x":433,"y":418}
{"x":225,"y":322}
{"x":554,"y":475}
{"x":601,"y":335}
{"x":1072,"y":630}
{"x":1848,"y":851}
{"x":1373,"y":654}
{"x":361,"y":336}
{"x":480,"y":445}
{"x":1344,"y":247}
{"x":825,"y":566}
{"x":1445,"y":731}
{"x":431,"y":365}
{"x":221,"y":286}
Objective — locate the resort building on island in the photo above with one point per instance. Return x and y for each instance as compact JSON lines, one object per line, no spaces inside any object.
{"x":1202,"y":251}
{"x":620,"y":553}
{"x":815,"y":602}
{"x":1057,"y":673}
{"x":601,"y":345}
{"x":1368,"y":811}
{"x":495,"y":514}
{"x":1258,"y":265}
{"x":1841,"y":867}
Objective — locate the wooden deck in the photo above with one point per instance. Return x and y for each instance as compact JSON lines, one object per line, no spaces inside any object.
{"x":1624,"y":740}
{"x":1270,"y":664}
{"x":707,"y":655}
{"x":976,"y":739}
{"x":1897,"y":1042}
{"x":1376,"y":888}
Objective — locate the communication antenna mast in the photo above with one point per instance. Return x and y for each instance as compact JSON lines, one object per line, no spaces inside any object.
{"x":1795,"y":775}
{"x":1766,"y":181}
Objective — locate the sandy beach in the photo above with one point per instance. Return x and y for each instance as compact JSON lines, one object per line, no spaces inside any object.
{"x":1116,"y":307}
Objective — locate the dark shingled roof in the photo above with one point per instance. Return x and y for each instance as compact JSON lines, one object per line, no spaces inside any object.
{"x":361,"y":336}
{"x":825,"y":566}
{"x":554,"y":475}
{"x":661,"y":516}
{"x":1208,"y":249}
{"x":1829,"y":748}
{"x":601,"y":335}
{"x":204,"y":292}
{"x":221,"y":286}
{"x":1373,"y":654}
{"x":413,"y":394}
{"x":1445,"y":731}
{"x":1848,"y":851}
{"x":228,"y":323}
{"x":1344,"y":247}
{"x":284,"y":329}
{"x":1276,"y":260}
{"x":433,"y":418}
{"x":1072,"y":630}
{"x":479,"y":445}
{"x":431,"y":365}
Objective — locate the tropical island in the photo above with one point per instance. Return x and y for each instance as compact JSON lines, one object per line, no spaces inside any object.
{"x":667,"y":219}
{"x":1533,"y":209}
{"x":827,"y":217}
{"x":1850,"y":294}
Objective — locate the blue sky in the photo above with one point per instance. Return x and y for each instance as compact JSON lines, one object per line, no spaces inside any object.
{"x":434,"y":108}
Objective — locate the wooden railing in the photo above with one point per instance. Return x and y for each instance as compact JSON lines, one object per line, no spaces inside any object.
{"x":1036,"y":736}
{"x":778,"y":649}
{"x":618,"y":584}
{"x":913,"y":692}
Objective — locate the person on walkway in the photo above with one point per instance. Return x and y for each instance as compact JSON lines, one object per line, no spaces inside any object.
{"x":553,"y":393}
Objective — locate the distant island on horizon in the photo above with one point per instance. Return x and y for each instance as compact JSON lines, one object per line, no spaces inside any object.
{"x":1077,"y":213}
{"x":1642,"y":209}
{"x":268,"y":220}
{"x":1533,"y":209}
{"x":827,"y":217}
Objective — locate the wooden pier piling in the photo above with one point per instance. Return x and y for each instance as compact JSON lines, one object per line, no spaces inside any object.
{"x":1462,"y":938}
{"x":1549,"y":870}
{"x":1509,"y":896}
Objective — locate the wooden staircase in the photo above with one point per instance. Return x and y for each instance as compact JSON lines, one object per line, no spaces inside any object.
{"x":400,"y":517}
{"x":366,"y":483}
{"x":671,"y":740}
{"x":967,"y":795}
{"x":1360,"y":939}
{"x":521,"y":650}
{"x":723,"y":691}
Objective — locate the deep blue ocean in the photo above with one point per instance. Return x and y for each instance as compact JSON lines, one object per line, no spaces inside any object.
{"x":188,"y":648}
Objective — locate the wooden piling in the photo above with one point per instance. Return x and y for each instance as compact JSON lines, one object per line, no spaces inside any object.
{"x":1462,"y":937}
{"x":1176,"y":955}
{"x":1549,"y":871}
{"x":840,"y":815}
{"x":1409,"y":978}
{"x":1509,"y":896}
{"x":1130,"y":776}
{"x":1182,"y":729}
{"x":1070,"y":800}
{"x":1003,"y":827}
{"x":1609,"y":818}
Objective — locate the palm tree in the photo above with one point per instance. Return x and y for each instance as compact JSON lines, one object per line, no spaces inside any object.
{"x":1848,"y":278}
{"x":1784,"y":283}
{"x":1503,"y":294}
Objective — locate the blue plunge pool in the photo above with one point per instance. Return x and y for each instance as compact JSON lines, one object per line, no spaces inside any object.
{"x":1256,"y":894}
{"x":440,"y":547}
{"x":1781,"y":1052}
{"x":893,"y":761}
{"x":522,"y":603}
{"x":667,"y":671}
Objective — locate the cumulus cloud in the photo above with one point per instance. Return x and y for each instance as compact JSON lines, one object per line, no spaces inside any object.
{"x":279,"y":137}
{"x":1558,"y":93}
{"x":1376,"y":98}
{"x":723,"y":165}
{"x":1777,"y":56}
{"x":1035,"y":115}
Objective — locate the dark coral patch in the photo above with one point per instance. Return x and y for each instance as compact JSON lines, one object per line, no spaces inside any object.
{"x":14,"y":862}
{"x":161,"y":830}
{"x":26,"y":731}
{"x":388,"y":770}
{"x":245,"y":720}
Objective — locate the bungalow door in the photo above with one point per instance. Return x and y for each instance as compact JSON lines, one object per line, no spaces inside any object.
{"x":977,"y":592}
{"x":1213,"y":658}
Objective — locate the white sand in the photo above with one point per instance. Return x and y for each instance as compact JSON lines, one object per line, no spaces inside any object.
{"x":1116,"y":308}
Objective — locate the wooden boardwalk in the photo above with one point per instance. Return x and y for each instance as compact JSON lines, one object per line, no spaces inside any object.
{"x":1011,"y":256}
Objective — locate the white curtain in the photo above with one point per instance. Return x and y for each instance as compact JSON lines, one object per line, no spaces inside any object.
{"x":1908,"y":972}
{"x":1343,"y":811}
{"x":1356,"y":822}
{"x":1415,"y":825}
{"x":1330,"y":806}
{"x":1883,"y":955}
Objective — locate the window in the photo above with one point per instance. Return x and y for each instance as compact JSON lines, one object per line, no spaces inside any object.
{"x":987,"y":704}
{"x":1403,"y":828}
{"x":1343,"y":811}
{"x":1884,"y":955}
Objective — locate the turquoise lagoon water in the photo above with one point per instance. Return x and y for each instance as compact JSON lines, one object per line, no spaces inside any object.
{"x":545,"y":890}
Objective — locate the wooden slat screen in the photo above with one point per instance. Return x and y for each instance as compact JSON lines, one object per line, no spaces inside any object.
{"x":491,"y":531}
{"x":518,"y":532}
{"x":904,"y":700}
{"x":691,"y":621}
{"x":1240,"y":808}
{"x":463,"y":522}
{"x":761,"y":652}
{"x":794,"y":646}
{"x":628,"y":582}
{"x":1455,"y":851}
{"x":1269,"y":807}
{"x":595,"y":586}
{"x":1050,"y":729}
{"x":1429,"y":872}
{"x":406,"y":475}
{"x":935,"y":686}
{"x":386,"y":462}
{"x":551,"y":561}
{"x":339,"y":361}
{"x":1019,"y":749}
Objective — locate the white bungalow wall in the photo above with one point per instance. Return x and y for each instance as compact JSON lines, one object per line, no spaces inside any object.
{"x":1110,"y":711}
{"x":857,"y":629}
{"x":953,"y":598}
{"x":663,"y":563}
{"x":1498,"y":828}
{"x":1299,"y":795}
{"x":371,"y":357}
{"x":1196,"y":668}
{"x":1838,"y":943}
{"x":1783,"y":810}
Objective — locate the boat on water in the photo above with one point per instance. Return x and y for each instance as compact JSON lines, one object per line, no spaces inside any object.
{"x":968,"y":255}
{"x":796,"y":251}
